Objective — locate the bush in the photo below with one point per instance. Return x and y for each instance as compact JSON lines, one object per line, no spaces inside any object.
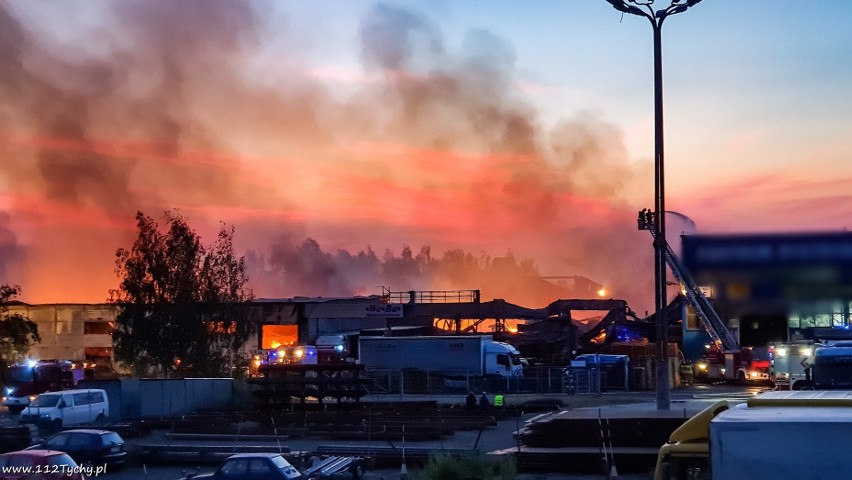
{"x":468,"y":467}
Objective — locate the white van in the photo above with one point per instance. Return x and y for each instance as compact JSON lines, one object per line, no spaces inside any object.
{"x":68,"y":407}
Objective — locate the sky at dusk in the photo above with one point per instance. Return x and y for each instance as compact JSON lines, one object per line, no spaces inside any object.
{"x":320,"y":130}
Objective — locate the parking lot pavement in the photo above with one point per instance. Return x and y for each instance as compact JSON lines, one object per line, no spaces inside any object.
{"x":494,"y":438}
{"x":175,"y":473}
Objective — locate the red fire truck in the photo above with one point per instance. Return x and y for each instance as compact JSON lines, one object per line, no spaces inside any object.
{"x":27,"y":379}
{"x":746,"y":365}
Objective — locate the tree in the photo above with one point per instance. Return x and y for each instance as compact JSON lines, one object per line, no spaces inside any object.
{"x":184,"y":307}
{"x":17,"y":332}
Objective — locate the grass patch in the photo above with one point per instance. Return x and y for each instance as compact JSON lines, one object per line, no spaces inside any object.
{"x":476,"y":466}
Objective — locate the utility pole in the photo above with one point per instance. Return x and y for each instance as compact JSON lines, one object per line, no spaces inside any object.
{"x":645,"y":8}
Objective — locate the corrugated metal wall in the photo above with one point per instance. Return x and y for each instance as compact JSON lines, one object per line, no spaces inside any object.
{"x":132,"y":397}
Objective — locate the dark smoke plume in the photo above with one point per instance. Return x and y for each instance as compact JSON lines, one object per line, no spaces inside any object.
{"x":11,"y":253}
{"x":305,"y":268}
{"x":185,"y":104}
{"x":110,"y":130}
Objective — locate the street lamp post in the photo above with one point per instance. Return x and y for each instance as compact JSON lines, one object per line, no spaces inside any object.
{"x":645,"y":8}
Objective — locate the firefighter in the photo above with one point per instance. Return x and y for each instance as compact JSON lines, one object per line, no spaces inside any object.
{"x":470,"y":401}
{"x":808,"y":366}
{"x":483,"y":401}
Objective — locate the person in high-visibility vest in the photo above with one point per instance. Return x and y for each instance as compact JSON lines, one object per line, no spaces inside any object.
{"x":498,"y":400}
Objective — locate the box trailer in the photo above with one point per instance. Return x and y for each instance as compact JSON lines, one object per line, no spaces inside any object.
{"x":780,"y":434}
{"x":803,"y":442}
{"x":468,"y":355}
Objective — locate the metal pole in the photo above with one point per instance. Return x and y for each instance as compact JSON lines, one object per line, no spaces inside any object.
{"x":645,"y":8}
{"x":663,"y":374}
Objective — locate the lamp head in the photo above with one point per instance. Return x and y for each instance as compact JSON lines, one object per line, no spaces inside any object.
{"x":626,"y":6}
{"x":645,"y":8}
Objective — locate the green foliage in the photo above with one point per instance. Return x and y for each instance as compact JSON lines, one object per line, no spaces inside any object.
{"x":476,"y":465}
{"x":17,"y":332}
{"x":185,"y":307}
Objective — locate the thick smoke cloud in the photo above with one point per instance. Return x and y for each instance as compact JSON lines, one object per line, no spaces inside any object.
{"x":185,"y":105}
{"x":304,"y":267}
{"x":111,"y":130}
{"x":11,"y":253}
{"x":98,"y":129}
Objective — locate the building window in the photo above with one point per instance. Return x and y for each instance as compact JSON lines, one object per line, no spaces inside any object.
{"x":819,"y":313}
{"x":274,"y":336}
{"x":93,"y":353}
{"x":822,"y":320}
{"x":98,"y":328}
{"x":693,"y":322}
{"x":793,"y":320}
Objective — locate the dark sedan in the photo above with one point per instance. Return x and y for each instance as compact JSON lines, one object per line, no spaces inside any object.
{"x":88,"y":446}
{"x":252,"y":466}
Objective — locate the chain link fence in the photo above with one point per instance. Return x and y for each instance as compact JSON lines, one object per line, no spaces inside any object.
{"x":419,"y":382}
{"x":593,"y":379}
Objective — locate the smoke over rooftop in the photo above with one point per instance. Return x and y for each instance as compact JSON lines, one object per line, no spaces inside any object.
{"x":212,"y":107}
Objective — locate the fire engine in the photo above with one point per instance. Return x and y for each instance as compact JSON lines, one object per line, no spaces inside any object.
{"x":289,"y":355}
{"x":746,"y":365}
{"x":27,"y":379}
{"x":329,"y":350}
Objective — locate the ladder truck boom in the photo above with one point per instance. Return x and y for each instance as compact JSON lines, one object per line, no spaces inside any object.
{"x":694,"y":296}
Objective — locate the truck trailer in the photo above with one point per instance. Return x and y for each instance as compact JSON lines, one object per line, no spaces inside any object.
{"x":832,"y":366}
{"x":780,"y":434}
{"x":468,"y":355}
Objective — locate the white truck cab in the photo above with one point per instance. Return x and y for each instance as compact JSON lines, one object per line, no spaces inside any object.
{"x":503,"y":359}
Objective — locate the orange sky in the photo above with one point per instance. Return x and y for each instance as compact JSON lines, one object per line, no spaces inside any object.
{"x":430,"y":143}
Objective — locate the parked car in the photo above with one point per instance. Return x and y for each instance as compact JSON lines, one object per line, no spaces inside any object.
{"x":41,"y":464}
{"x":251,"y":466}
{"x":88,"y":446}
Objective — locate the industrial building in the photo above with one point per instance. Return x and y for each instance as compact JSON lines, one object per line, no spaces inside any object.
{"x":538,"y":332}
{"x":71,"y":331}
{"x":84,"y":332}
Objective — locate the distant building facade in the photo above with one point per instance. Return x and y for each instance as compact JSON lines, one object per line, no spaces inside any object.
{"x":84,"y":331}
{"x":772,"y":287}
{"x":72,"y":331}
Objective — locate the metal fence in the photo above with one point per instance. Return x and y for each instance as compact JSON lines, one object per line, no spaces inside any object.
{"x":418,"y":382}
{"x":536,"y":380}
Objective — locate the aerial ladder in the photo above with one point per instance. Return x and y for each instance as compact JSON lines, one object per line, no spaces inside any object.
{"x":716,"y":328}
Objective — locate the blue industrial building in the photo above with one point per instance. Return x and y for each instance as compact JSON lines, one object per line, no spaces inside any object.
{"x":770,"y":287}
